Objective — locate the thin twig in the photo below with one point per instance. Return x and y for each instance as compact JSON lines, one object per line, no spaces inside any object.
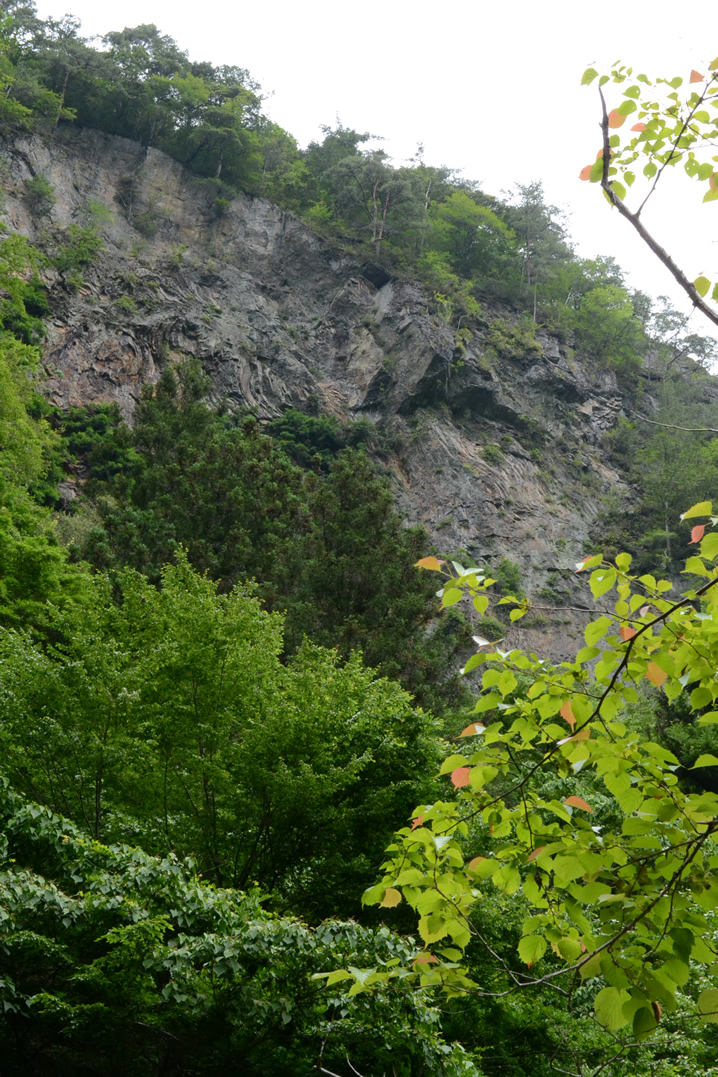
{"x":670,"y":426}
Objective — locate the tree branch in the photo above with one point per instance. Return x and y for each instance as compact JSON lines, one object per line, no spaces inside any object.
{"x":662,"y":255}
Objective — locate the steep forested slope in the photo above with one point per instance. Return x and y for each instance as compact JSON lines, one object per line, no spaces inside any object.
{"x":243,"y":388}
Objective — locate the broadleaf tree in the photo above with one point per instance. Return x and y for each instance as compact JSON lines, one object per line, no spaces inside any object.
{"x":676,"y":121}
{"x":551,"y":792}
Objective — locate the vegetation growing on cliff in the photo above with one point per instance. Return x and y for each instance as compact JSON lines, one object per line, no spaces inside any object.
{"x":164,"y":701}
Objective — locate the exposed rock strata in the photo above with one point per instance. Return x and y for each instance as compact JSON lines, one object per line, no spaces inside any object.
{"x":280,"y":318}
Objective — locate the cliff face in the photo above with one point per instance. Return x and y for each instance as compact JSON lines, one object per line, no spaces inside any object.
{"x":495,"y":447}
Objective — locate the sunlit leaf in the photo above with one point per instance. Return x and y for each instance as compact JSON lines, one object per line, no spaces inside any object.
{"x":578,"y":802}
{"x":701,"y":285}
{"x":391,"y":898}
{"x":696,"y":77}
{"x":702,"y":508}
{"x":616,"y":119}
{"x":655,"y":674}
{"x":567,"y":714}
{"x":461,"y":776}
{"x":432,"y":563}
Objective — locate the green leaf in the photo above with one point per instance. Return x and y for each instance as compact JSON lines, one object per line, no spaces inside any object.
{"x":644,"y":1022}
{"x":451,"y":597}
{"x":702,"y":284}
{"x":596,"y":172}
{"x":702,"y":508}
{"x":334,"y":977}
{"x":706,"y":760}
{"x":596,"y":630}
{"x":532,"y":948}
{"x":708,"y":1005}
{"x":609,"y":1004}
{"x":588,"y":76}
{"x":709,"y":546}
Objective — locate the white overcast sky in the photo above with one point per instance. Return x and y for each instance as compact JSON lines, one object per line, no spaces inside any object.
{"x":491,"y":89}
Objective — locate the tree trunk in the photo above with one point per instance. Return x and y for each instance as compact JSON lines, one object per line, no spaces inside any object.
{"x":62,"y":102}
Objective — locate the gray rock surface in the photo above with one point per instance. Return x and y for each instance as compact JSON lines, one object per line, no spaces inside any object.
{"x":279,"y":317}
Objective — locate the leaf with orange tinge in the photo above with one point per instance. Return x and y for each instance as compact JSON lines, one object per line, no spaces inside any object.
{"x":461,"y":776}
{"x":639,"y":127}
{"x":473,"y":865}
{"x":585,"y":173}
{"x":615,"y":119}
{"x":626,"y":632}
{"x":698,"y":532}
{"x":657,"y":1011}
{"x":427,"y":959}
{"x":391,"y":898}
{"x":713,"y":181}
{"x":578,"y":802}
{"x":583,"y":734}
{"x":535,"y":852}
{"x":432,"y":563}
{"x":472,"y":730}
{"x":417,"y":822}
{"x":696,"y":77}
{"x":655,"y":674}
{"x":566,"y":713}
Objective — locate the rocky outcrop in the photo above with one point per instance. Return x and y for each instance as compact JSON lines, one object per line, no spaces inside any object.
{"x":494,"y":445}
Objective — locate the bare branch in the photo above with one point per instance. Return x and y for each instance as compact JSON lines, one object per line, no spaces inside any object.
{"x":670,"y":426}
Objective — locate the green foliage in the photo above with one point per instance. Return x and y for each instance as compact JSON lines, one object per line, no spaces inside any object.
{"x":513,"y":341}
{"x":606,"y":327}
{"x":324,"y":544}
{"x":673,"y":125}
{"x":126,"y":304}
{"x":476,"y":241}
{"x":166,"y":717}
{"x":39,"y":196}
{"x":559,"y":797}
{"x":493,"y":454}
{"x":670,"y":460}
{"x":23,"y":301}
{"x":507,"y":577}
{"x":462,"y":242}
{"x":81,"y":245}
{"x":117,"y":962}
{"x":32,"y":567}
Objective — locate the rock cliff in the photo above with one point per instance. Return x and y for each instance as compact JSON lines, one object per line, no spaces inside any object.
{"x":494,"y":444}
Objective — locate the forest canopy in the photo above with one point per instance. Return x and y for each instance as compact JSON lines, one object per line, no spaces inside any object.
{"x":224,"y":692}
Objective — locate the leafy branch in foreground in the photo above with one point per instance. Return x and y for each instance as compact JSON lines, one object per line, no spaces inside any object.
{"x":617,"y":888}
{"x":680,"y":129}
